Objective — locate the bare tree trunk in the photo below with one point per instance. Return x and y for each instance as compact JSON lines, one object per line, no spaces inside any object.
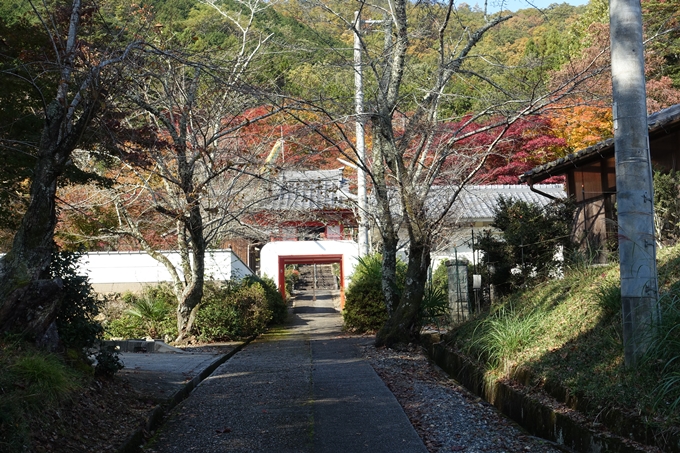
{"x":29,"y":298}
{"x":192,"y":295}
{"x":388,"y":229}
{"x":389,"y":271}
{"x":404,"y":324}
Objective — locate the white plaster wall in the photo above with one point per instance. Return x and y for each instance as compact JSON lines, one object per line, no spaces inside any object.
{"x":135,"y":268}
{"x":269,"y":255}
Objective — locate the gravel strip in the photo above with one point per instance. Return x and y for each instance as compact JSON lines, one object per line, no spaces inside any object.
{"x":447,"y":416}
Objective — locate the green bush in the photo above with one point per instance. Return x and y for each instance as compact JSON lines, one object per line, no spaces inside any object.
{"x":275,"y":302}
{"x":236,"y":310}
{"x":531,"y":237}
{"x":435,"y":306}
{"x":292,"y":278}
{"x":149,"y":314}
{"x":76,"y":324}
{"x":365,"y":309}
{"x":75,"y":319}
{"x":440,"y":278}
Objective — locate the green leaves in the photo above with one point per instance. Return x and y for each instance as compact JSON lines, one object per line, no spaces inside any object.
{"x":531,"y":237}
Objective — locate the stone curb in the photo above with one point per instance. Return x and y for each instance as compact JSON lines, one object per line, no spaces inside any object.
{"x":134,"y":442}
{"x":537,"y":418}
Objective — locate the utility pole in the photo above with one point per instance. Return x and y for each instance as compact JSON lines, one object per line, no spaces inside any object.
{"x":362,"y":198}
{"x":634,"y":184}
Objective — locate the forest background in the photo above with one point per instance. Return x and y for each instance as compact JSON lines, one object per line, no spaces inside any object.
{"x":305,"y":57}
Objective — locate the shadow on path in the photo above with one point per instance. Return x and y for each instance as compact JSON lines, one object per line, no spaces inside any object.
{"x":301,"y":388}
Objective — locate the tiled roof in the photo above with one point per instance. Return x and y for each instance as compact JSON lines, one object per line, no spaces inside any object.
{"x":477,"y":203}
{"x":328,"y":190}
{"x":310,"y":190}
{"x":657,"y":122}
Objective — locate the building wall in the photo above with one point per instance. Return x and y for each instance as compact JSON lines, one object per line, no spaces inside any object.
{"x":270,"y":253}
{"x":594,"y":228}
{"x":593,"y":186}
{"x":131,"y":271}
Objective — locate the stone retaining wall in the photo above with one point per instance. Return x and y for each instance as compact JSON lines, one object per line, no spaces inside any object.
{"x":560,"y":425}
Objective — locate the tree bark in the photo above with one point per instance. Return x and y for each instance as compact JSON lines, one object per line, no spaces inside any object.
{"x":192,"y":295}
{"x":29,"y":297}
{"x":403,"y":326}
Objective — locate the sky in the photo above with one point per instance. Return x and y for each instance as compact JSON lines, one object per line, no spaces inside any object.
{"x":514,"y":5}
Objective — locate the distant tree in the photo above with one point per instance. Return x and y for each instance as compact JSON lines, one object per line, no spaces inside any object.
{"x":420,"y":139}
{"x":528,"y":143}
{"x":592,"y":30}
{"x":582,"y":124}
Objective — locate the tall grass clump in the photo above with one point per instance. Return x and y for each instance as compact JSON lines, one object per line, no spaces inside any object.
{"x":608,"y":297}
{"x":666,"y":353}
{"x":365,"y":309}
{"x":503,"y":334}
{"x":31,"y":381}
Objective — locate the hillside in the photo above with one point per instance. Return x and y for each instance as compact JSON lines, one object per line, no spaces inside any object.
{"x":565,"y":336}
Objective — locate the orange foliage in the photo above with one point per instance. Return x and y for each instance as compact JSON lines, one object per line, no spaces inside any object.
{"x":582,"y":125}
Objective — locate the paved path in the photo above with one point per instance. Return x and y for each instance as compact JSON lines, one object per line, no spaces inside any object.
{"x":304,"y":388}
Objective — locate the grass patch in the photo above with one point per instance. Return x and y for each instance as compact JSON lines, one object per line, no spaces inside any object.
{"x":501,"y":336}
{"x":31,"y":381}
{"x":568,"y":331}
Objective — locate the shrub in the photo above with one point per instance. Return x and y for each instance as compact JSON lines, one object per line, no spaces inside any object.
{"x":149,"y":314}
{"x":435,"y":305}
{"x":440,"y":278}
{"x":76,"y":324}
{"x":235,"y":310}
{"x":275,"y":302}
{"x":292,"y":279}
{"x":531,"y":237}
{"x":365,"y":309}
{"x":75,"y":319}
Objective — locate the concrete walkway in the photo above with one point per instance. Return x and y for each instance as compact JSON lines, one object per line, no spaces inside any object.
{"x":304,"y":388}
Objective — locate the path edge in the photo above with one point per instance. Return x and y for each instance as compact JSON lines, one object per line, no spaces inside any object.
{"x":155,"y":417}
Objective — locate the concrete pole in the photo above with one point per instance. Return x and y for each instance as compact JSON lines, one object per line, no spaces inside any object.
{"x":314,"y":284}
{"x":360,"y":139}
{"x":634,"y":189}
